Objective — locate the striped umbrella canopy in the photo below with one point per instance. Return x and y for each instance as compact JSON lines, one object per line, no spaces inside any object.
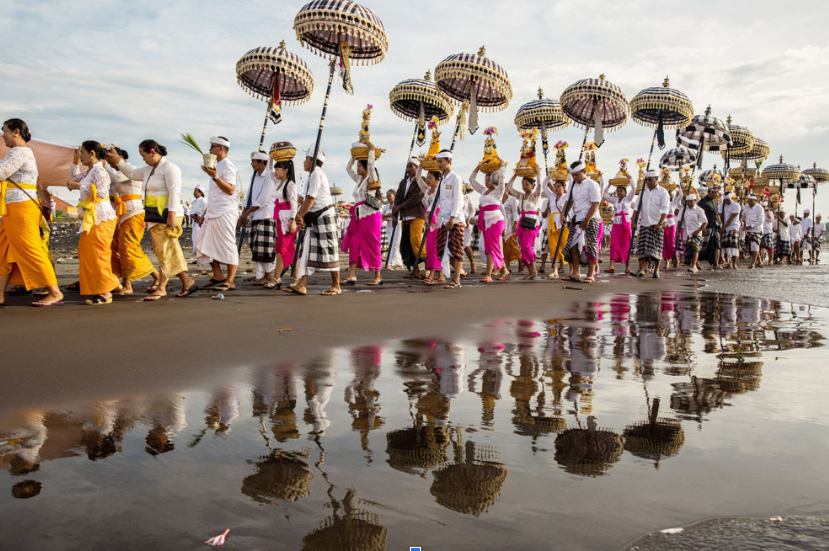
{"x":711,"y":175}
{"x":742,"y":140}
{"x":759,"y":151}
{"x":678,"y":158}
{"x":805,"y":182}
{"x":661,"y":104}
{"x":542,"y":113}
{"x":782,"y":172}
{"x":820,"y":175}
{"x":265,"y":70}
{"x":324,"y":25}
{"x":708,"y":130}
{"x":582,"y":100}
{"x":417,"y":99}
{"x":458,"y":74}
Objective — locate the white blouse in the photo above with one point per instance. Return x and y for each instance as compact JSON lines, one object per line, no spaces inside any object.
{"x":163,"y":180}
{"x":198,"y":207}
{"x":99,"y":177}
{"x":622,"y":208}
{"x":488,"y":197}
{"x":285,"y":216}
{"x":428,"y":195}
{"x":528,"y":203}
{"x":19,"y":166}
{"x":263,"y":194}
{"x":510,"y":216}
{"x":361,"y":190}
{"x":124,"y":186}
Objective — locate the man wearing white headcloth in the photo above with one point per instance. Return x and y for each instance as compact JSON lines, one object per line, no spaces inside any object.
{"x":316,"y":217}
{"x":695,"y":224}
{"x":217,"y":236}
{"x":262,"y":225}
{"x":806,"y":227}
{"x":730,"y":215}
{"x":754,"y":217}
{"x":651,"y":211}
{"x":197,"y":210}
{"x":583,"y":237}
{"x":452,"y":220}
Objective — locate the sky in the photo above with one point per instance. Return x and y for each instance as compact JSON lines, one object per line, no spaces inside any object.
{"x":119,"y":72}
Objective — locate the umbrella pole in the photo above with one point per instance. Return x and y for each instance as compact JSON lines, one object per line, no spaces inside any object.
{"x":405,"y":172}
{"x":244,"y":231}
{"x":813,"y":252}
{"x":545,"y":146}
{"x":563,"y":215}
{"x":301,"y":236}
{"x":635,"y":225}
{"x":436,"y":201}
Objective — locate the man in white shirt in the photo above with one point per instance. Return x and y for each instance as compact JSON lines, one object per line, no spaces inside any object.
{"x":754,"y":216}
{"x":818,"y":230}
{"x":806,"y":228}
{"x":586,"y":196}
{"x":262,"y":235}
{"x":730,"y":215}
{"x":468,"y":214}
{"x":317,"y":220}
{"x":650,"y":213}
{"x":452,"y":220}
{"x":795,"y":236}
{"x":695,"y":224}
{"x":217,"y":234}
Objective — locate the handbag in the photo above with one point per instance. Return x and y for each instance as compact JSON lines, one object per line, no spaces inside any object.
{"x":528,"y":222}
{"x":373,"y":202}
{"x":310,"y":218}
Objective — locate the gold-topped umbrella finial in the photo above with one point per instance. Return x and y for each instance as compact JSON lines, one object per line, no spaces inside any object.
{"x":540,"y":93}
{"x":708,"y":110}
{"x":667,"y":82}
{"x":428,"y":75}
{"x":282,"y":45}
{"x":482,"y":51}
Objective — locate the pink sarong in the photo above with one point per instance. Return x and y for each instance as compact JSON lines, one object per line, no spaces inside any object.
{"x":669,"y":242}
{"x":620,"y":238}
{"x":492,"y":236}
{"x":433,"y":261}
{"x":362,"y":240}
{"x":285,"y":243}
{"x":526,"y":239}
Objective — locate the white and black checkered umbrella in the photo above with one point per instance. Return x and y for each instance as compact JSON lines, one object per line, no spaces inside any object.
{"x":542,"y":113}
{"x":708,"y":130}
{"x":709,"y":175}
{"x":782,"y":172}
{"x":323,"y":26}
{"x":678,"y":158}
{"x":820,"y":175}
{"x":805,"y":182}
{"x":458,"y":74}
{"x":264,"y":70}
{"x":661,"y":104}
{"x":582,"y":100}
{"x":419,"y":97}
{"x":742,"y":140}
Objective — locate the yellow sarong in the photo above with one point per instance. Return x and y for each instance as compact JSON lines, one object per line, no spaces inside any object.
{"x":415,"y":235}
{"x":121,"y":203}
{"x":167,"y":248}
{"x":22,"y":253}
{"x":95,"y":259}
{"x":552,"y":240}
{"x":128,"y":259}
{"x":511,"y":249}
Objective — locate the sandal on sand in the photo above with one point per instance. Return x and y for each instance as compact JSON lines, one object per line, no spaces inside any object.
{"x":453,"y":285}
{"x":292,"y":291}
{"x":486,"y":280}
{"x":611,"y":271}
{"x":153,"y":298}
{"x":375,"y":284}
{"x":589,"y":280}
{"x":429,"y":281}
{"x":224,"y":288}
{"x":350,"y":282}
{"x":571,"y":278}
{"x":504,"y":277}
{"x":99,"y":299}
{"x":331,"y":293}
{"x":274,"y":285}
{"x":73,"y":286}
{"x":213,"y":282}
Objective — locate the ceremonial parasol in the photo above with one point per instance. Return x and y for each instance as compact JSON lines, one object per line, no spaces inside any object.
{"x":418,"y":100}
{"x":783,"y":173}
{"x":349,"y":527}
{"x":417,"y":448}
{"x":279,"y":476}
{"x":474,"y":81}
{"x":742,"y":143}
{"x":711,"y":176}
{"x":705,"y":133}
{"x":655,"y":437}
{"x":277,"y":76}
{"x":590,"y":451}
{"x":821,"y":176}
{"x":543,"y":114}
{"x":676,"y":159}
{"x":472,"y":483}
{"x":592,"y":103}
{"x":343,"y":31}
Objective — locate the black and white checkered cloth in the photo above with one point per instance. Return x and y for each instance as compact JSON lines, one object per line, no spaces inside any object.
{"x":257,"y":69}
{"x":713,"y":130}
{"x":371,"y":43}
{"x":263,"y":240}
{"x":730,"y":240}
{"x":650,"y":243}
{"x":494,"y":90}
{"x":531,"y":114}
{"x":678,"y":157}
{"x":324,"y":249}
{"x":577,"y":102}
{"x":591,"y":240}
{"x":767,"y":242}
{"x":707,"y":176}
{"x":753,"y":237}
{"x":783,"y":248}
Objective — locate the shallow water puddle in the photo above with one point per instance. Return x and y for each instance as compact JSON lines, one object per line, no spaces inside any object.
{"x":635,"y":413}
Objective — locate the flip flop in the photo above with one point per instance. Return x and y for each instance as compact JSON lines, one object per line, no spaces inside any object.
{"x":349,"y":282}
{"x":589,"y":280}
{"x":153,"y":298}
{"x":224,"y":288}
{"x":192,"y":289}
{"x":505,"y":277}
{"x":611,"y":271}
{"x":44,"y":304}
{"x":570,"y":278}
{"x":73,"y":286}
{"x":486,"y":280}
{"x":453,"y":285}
{"x":270,"y":286}
{"x":330,"y":293}
{"x":292,"y":291}
{"x":213,"y":282}
{"x":375,"y":284}
{"x":98,"y":300}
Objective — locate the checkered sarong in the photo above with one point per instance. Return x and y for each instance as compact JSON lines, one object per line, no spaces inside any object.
{"x":650,"y":243}
{"x":591,"y":240}
{"x":753,"y":237}
{"x":262,"y":240}
{"x":783,"y":248}
{"x":323,"y":249}
{"x":693,"y":244}
{"x":455,"y":247}
{"x":730,"y":240}
{"x":767,"y":242}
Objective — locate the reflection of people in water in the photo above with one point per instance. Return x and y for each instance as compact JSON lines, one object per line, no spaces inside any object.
{"x":361,"y":396}
{"x":164,"y":413}
{"x":222,"y":410}
{"x":583,"y":365}
{"x":319,"y":382}
{"x":98,"y":422}
{"x":20,"y":442}
{"x":489,"y":369}
{"x":274,"y":396}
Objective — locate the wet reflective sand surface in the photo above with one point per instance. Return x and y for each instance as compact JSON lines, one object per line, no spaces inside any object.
{"x":632,"y":414}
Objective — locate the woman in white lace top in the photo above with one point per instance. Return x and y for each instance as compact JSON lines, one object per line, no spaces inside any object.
{"x":528,"y":203}
{"x":491,"y":219}
{"x":98,"y":226}
{"x":362,"y":239}
{"x":23,"y":259}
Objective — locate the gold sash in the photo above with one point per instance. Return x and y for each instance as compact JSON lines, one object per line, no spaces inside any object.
{"x":4,"y":185}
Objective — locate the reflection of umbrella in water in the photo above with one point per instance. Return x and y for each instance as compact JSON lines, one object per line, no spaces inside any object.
{"x":417,"y":448}
{"x":472,"y":483}
{"x":590,"y":451}
{"x":352,"y":529}
{"x":655,"y":437}
{"x":279,"y":476}
{"x":26,"y":489}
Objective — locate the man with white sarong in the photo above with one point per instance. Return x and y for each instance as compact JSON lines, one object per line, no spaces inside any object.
{"x":806,"y":228}
{"x":583,"y":234}
{"x":730,"y":215}
{"x":754,"y":217}
{"x":216,"y":242}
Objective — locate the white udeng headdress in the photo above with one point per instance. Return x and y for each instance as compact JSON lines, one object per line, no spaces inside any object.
{"x":220,"y":141}
{"x":578,"y":168}
{"x":444,"y":155}
{"x":259,"y":156}
{"x":651,"y":173}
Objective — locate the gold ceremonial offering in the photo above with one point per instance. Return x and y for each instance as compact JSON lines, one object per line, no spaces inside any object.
{"x":527,"y":165}
{"x":429,"y":163}
{"x":282,"y":151}
{"x":622,"y":178}
{"x":590,"y":160}
{"x":490,"y":161}
{"x":666,"y":181}
{"x":559,"y":172}
{"x":359,"y":149}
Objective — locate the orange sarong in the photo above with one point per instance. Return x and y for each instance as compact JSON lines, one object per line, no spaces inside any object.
{"x":511,"y":249}
{"x":128,"y":259}
{"x":95,"y":257}
{"x":22,"y":253}
{"x":552,"y":240}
